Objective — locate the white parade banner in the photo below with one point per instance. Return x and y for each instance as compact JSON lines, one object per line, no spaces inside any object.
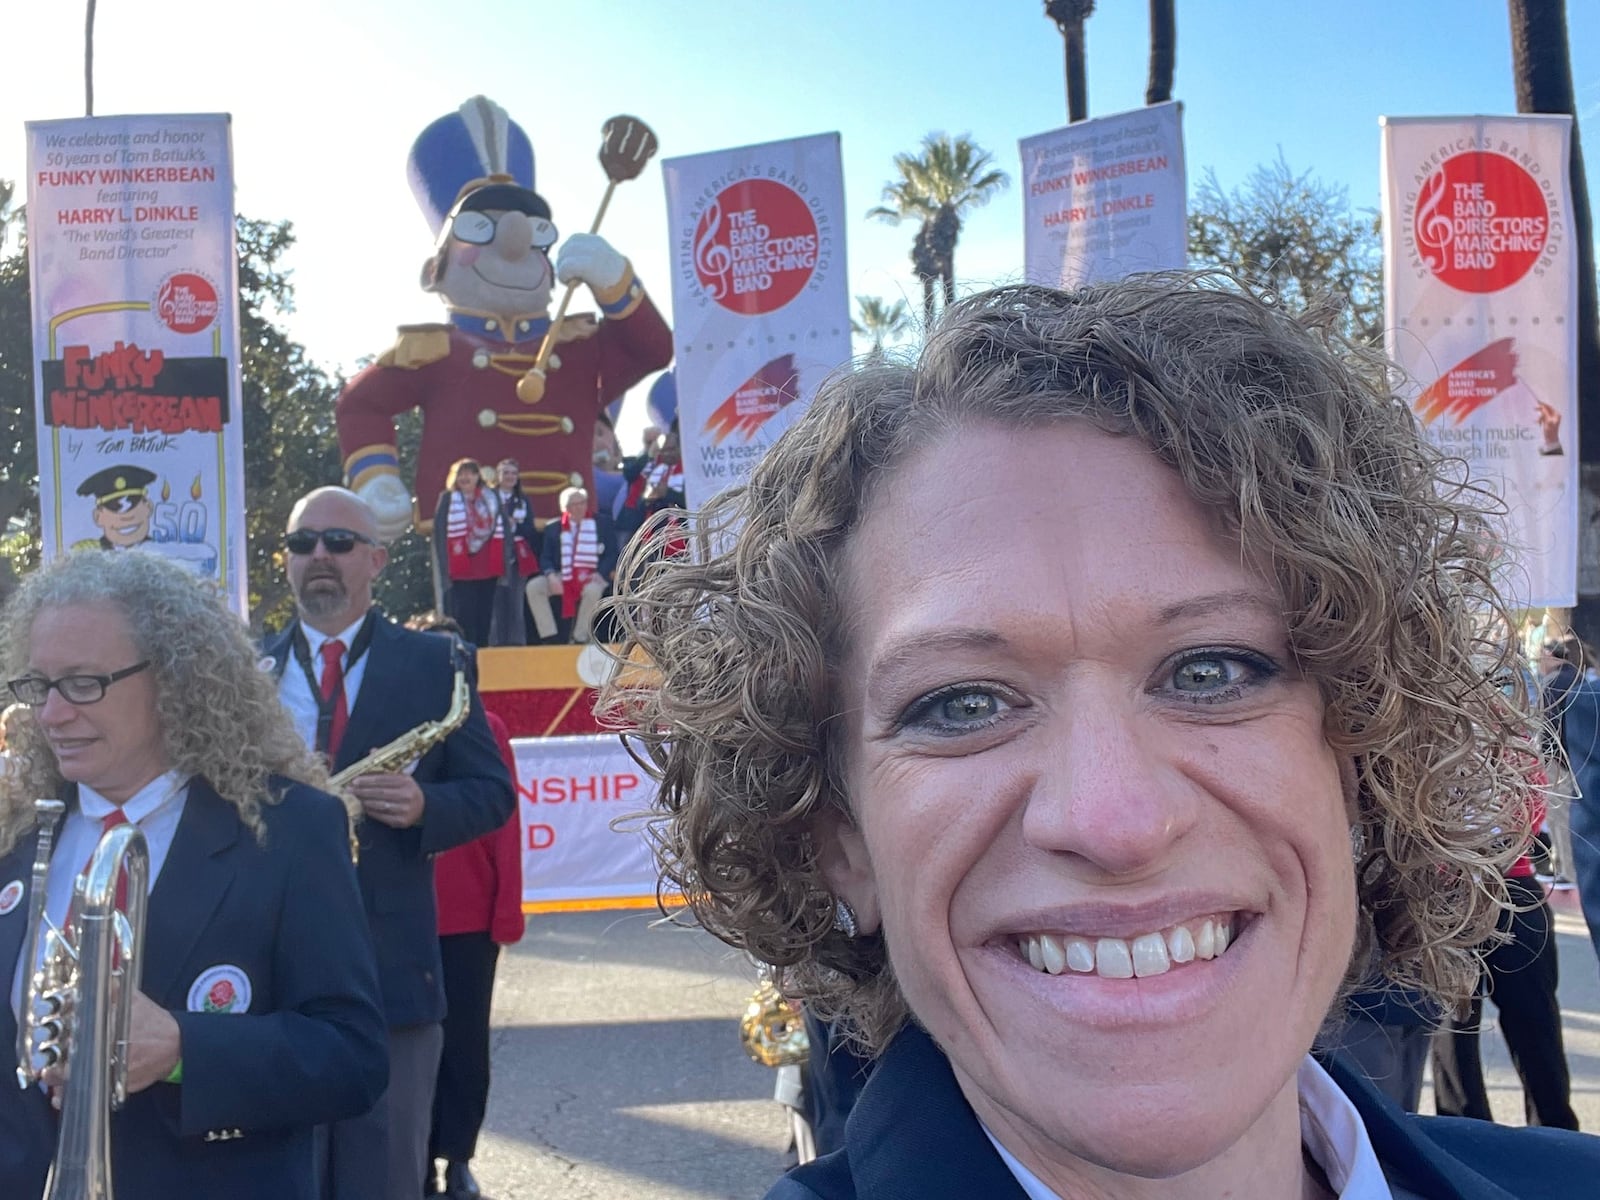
{"x":131,"y":250}
{"x":1105,"y":198}
{"x":1480,"y":295}
{"x":760,"y":299}
{"x":570,"y":790}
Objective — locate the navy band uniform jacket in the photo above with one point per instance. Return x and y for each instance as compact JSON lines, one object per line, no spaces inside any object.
{"x":466,"y":789}
{"x":285,"y":915}
{"x":912,"y":1136}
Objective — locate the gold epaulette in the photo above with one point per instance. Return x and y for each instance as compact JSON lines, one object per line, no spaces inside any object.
{"x":417,"y":346}
{"x":576,"y":327}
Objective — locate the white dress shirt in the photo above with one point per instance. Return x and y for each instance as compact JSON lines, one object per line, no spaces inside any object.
{"x":296,"y":693}
{"x":1330,"y":1130}
{"x":155,"y":808}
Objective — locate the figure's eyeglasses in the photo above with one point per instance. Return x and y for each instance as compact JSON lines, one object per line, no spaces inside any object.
{"x":477,"y":228}
{"x":338,"y":541}
{"x":34,"y":690}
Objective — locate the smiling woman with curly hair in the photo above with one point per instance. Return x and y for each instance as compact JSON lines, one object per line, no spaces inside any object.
{"x":1076,"y":713}
{"x":139,"y":700}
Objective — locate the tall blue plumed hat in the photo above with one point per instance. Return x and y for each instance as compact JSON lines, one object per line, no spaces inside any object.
{"x":474,"y":158}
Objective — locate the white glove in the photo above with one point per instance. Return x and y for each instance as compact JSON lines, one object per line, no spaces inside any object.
{"x":390,"y":503}
{"x":589,"y":257}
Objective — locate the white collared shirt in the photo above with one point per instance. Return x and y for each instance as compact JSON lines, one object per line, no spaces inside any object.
{"x":295,"y":691}
{"x":1330,"y":1129}
{"x":155,"y":808}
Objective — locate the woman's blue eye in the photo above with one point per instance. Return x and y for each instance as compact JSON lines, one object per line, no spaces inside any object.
{"x":968,"y":707}
{"x":954,"y":710}
{"x":1215,"y":675}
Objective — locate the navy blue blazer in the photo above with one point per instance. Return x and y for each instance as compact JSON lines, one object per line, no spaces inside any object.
{"x":1580,"y":730}
{"x":466,"y":790}
{"x":285,"y":915}
{"x":605,"y":532}
{"x":912,"y":1136}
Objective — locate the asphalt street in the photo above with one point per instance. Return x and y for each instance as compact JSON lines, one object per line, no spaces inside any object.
{"x":619,"y":1075}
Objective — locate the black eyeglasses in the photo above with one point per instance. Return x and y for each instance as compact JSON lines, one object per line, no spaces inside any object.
{"x":338,"y":541}
{"x":34,"y":690}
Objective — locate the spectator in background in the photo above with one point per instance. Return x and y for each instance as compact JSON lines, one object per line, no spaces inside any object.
{"x":578,"y":559}
{"x":519,"y":560}
{"x":1581,"y":740}
{"x":1561,"y":663}
{"x":1521,"y":975}
{"x":468,"y":550}
{"x":479,"y":890}
{"x":654,"y":487}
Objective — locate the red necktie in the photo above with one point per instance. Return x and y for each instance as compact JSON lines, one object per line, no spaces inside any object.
{"x":107,"y":823}
{"x":333,"y":689}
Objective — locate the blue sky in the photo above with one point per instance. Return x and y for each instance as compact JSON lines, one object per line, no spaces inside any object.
{"x":327,"y":95}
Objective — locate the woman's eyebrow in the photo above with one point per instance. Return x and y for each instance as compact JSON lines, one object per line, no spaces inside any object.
{"x":905,"y":649}
{"x":1220,"y":602}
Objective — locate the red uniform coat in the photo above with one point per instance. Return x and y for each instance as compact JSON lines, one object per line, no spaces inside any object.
{"x":479,"y":885}
{"x":465,"y":384}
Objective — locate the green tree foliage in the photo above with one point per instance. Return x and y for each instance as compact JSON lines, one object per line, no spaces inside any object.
{"x":290,"y":444}
{"x":880,"y":322}
{"x":1297,"y":235}
{"x":950,"y":176}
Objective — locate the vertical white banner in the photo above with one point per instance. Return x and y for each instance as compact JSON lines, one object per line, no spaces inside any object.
{"x":760,"y":299}
{"x":1105,"y":198}
{"x":131,"y":250}
{"x":570,"y":790}
{"x":1480,"y":292}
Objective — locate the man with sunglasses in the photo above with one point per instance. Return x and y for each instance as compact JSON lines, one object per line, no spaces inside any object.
{"x":473,"y":174}
{"x":353,"y":680}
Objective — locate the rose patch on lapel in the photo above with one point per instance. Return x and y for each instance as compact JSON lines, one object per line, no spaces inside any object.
{"x":224,"y":988}
{"x":10,"y":896}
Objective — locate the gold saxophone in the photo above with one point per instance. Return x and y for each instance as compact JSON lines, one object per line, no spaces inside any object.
{"x":77,"y":1006}
{"x":410,"y":746}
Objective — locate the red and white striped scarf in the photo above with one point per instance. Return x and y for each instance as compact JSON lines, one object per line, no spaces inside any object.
{"x":580,"y":556}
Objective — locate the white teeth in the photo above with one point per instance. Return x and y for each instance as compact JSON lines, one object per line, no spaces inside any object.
{"x":1150,"y":955}
{"x":1080,"y":954}
{"x":1119,"y":958}
{"x":1112,"y":959}
{"x":1181,"y":944}
{"x":1055,"y":959}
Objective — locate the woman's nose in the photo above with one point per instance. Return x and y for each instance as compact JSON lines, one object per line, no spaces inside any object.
{"x":1109,"y":790}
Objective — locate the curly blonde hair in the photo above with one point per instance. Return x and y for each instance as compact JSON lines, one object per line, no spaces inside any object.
{"x":1382,"y":550}
{"x":220,"y":714}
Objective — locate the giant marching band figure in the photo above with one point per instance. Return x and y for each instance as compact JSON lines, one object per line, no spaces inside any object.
{"x":478,"y":379}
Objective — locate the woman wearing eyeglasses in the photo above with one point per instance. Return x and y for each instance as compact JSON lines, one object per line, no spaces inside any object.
{"x":257,"y":1017}
{"x":469,"y":549}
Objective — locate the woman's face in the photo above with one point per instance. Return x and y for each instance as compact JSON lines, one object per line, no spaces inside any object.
{"x":114,"y":744}
{"x":466,"y":480}
{"x":506,"y":475}
{"x":1079,"y":747}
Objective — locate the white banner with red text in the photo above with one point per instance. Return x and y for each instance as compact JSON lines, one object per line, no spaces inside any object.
{"x":1480,"y":292}
{"x":760,"y":299}
{"x":1105,"y":198}
{"x":571,"y":793}
{"x":131,"y":252}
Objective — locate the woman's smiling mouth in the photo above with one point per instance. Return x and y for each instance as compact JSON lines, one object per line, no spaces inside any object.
{"x":1155,"y":953}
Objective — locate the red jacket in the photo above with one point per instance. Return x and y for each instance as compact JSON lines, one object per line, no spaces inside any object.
{"x":479,"y":885}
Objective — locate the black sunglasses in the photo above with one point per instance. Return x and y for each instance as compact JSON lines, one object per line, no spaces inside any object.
{"x":34,"y":690}
{"x":338,"y":541}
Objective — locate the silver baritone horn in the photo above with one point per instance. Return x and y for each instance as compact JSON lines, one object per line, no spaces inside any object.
{"x":77,"y":1007}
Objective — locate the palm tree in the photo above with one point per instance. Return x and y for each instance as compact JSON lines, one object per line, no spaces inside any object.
{"x":951,"y":175}
{"x":1163,"y":51}
{"x":881,"y":322}
{"x":1069,"y":16}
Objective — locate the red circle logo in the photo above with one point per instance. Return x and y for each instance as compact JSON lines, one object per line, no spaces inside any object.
{"x":1481,"y":222}
{"x":186,"y":302}
{"x":755,"y":246}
